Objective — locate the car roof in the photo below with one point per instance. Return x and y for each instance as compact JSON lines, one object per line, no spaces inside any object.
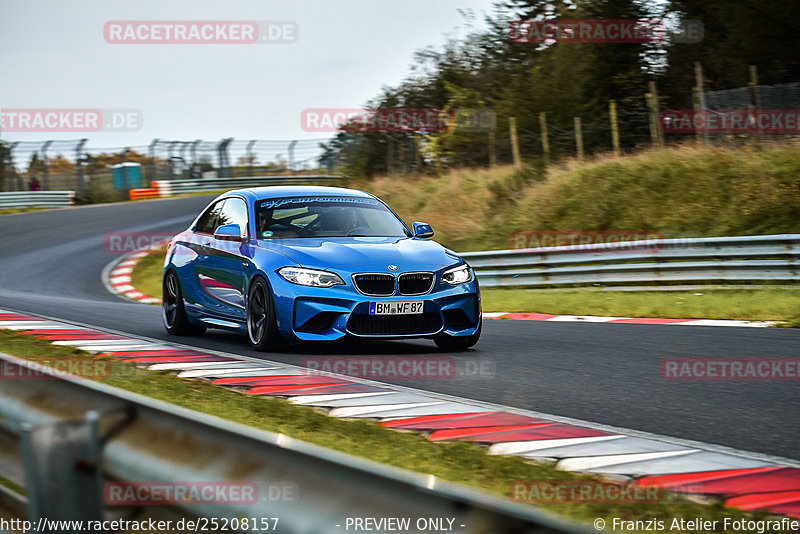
{"x":275,"y":191}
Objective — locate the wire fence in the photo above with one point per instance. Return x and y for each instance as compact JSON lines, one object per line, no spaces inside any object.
{"x":101,"y":174}
{"x":106,"y":174}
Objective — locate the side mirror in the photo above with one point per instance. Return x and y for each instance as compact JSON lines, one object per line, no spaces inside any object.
{"x":422,"y":230}
{"x":229,"y":232}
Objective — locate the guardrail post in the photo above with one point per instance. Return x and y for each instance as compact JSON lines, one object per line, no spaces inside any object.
{"x":63,"y":472}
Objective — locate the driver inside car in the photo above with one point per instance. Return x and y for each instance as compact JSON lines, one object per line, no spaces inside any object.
{"x":343,"y":220}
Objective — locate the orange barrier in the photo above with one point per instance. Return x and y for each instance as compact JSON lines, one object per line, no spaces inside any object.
{"x":146,"y":192}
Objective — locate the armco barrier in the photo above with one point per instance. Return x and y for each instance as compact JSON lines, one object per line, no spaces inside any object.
{"x":63,"y":438}
{"x":756,"y":259}
{"x":36,"y":199}
{"x":168,"y":188}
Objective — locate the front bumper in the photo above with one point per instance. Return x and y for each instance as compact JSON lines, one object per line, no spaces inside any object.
{"x":326,"y":314}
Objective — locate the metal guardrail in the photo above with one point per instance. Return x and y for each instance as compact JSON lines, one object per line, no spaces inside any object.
{"x":62,"y":438}
{"x":169,"y":188}
{"x":760,"y":259}
{"x":36,"y":199}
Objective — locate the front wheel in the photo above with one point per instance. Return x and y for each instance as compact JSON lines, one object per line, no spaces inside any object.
{"x":446,"y":342}
{"x":172,"y":310}
{"x":262,"y":323}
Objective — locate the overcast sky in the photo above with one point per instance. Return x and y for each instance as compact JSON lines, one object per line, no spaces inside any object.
{"x":55,"y":56}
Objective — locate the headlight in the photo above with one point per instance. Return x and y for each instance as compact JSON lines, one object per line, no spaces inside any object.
{"x":457,"y":275}
{"x":310,"y":277}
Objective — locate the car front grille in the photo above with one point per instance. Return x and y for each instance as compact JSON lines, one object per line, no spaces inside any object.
{"x":394,"y":325}
{"x":414,"y":283}
{"x":374,"y":284}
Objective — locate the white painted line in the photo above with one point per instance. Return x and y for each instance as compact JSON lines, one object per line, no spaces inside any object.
{"x":446,"y":408}
{"x":592,"y":463}
{"x":111,"y":348}
{"x":369,"y":411}
{"x":104,"y":342}
{"x":584,"y":318}
{"x":34,"y":325}
{"x":394,"y":398}
{"x":724,"y":322}
{"x":522,"y":447}
{"x":675,"y":322}
{"x":219,"y":373}
{"x":314,"y":399}
{"x":183,"y":365}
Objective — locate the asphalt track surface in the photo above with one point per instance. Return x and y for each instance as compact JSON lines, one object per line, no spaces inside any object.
{"x":51,"y":262}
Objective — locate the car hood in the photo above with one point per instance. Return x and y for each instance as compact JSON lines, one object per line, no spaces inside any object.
{"x":347,"y":252}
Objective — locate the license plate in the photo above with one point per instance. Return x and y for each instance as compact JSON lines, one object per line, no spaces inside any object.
{"x":396,"y":307}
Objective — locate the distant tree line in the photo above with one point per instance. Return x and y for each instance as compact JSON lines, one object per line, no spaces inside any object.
{"x":485,"y":69}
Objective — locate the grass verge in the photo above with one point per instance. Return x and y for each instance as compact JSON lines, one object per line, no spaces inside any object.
{"x":767,"y":304}
{"x":11,"y":211}
{"x":459,"y":462}
{"x":146,"y":274}
{"x":682,"y":191}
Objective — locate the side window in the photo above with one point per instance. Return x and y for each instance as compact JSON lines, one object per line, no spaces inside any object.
{"x":233,"y":212}
{"x":207,"y":222}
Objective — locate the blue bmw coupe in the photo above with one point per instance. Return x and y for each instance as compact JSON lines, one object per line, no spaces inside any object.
{"x":305,"y":263}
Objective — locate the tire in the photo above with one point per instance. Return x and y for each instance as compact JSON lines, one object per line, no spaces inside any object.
{"x":173,"y":312}
{"x":262,"y":323}
{"x":455,"y":343}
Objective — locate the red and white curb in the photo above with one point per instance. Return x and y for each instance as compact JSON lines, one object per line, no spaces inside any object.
{"x":744,"y":480}
{"x":628,"y":320}
{"x":117,"y":278}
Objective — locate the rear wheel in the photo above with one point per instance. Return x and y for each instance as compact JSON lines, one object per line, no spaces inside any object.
{"x":172,"y":310}
{"x":262,"y":323}
{"x":446,"y":342}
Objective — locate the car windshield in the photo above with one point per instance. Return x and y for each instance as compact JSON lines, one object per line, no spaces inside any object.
{"x":301,"y":217}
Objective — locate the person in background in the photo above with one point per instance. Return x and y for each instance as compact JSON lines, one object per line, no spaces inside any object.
{"x":34,"y":184}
